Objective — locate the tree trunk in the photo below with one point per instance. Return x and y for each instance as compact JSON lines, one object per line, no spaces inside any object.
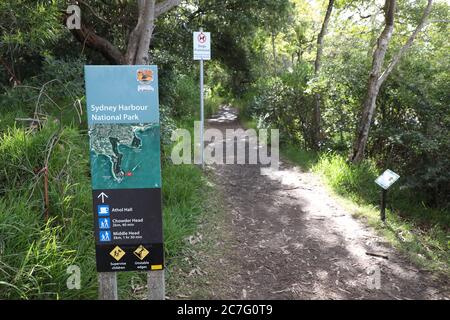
{"x":142,"y":53}
{"x":139,"y":39}
{"x":133,"y":38}
{"x":408,"y":43}
{"x":317,"y":65}
{"x":274,"y":52}
{"x":373,"y":83}
{"x":377,"y":78}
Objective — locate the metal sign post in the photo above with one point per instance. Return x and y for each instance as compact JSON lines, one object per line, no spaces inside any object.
{"x":202,"y":116}
{"x":124,"y":134}
{"x":383,"y":205}
{"x":202,"y":51}
{"x":385,"y":181}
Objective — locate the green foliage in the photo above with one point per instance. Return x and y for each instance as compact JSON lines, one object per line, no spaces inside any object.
{"x":31,"y":24}
{"x":183,"y":96}
{"x":411,"y":125}
{"x":357,"y":182}
{"x":349,"y":179}
{"x":280,"y":102}
{"x":41,"y":77}
{"x":29,"y":30}
{"x":35,"y":253}
{"x":212,"y":104}
{"x":183,"y":204}
{"x":58,"y":90}
{"x":306,"y":158}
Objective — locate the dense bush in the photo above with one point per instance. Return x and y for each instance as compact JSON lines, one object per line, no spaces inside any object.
{"x":281,"y":102}
{"x":409,"y":132}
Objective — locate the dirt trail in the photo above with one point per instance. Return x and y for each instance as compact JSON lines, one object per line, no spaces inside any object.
{"x":291,"y":240}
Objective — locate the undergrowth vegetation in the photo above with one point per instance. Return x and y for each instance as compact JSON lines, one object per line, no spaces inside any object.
{"x":419,"y":231}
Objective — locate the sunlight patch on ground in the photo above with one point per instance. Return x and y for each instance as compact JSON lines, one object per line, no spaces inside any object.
{"x":334,"y":228}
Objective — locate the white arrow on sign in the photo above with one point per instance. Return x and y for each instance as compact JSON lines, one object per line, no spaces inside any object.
{"x":103,"y":195}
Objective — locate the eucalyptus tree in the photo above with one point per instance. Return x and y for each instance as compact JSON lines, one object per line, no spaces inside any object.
{"x":136,"y":49}
{"x":377,"y":75}
{"x":317,"y":66}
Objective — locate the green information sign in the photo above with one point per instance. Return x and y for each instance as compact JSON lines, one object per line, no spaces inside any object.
{"x":124,"y":133}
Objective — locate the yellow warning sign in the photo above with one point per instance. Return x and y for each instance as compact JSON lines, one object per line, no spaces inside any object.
{"x":141,"y":252}
{"x":117,"y":253}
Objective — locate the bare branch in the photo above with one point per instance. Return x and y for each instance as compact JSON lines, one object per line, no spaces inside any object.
{"x":88,"y":37}
{"x":408,"y":43}
{"x":321,"y":35}
{"x":163,"y":7}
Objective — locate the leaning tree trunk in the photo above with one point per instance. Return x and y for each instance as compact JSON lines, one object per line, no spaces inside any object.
{"x":317,"y":65}
{"x":377,"y":78}
{"x":274,"y":53}
{"x":373,"y":85}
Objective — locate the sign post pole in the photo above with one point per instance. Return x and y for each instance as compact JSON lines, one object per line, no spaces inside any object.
{"x":202,"y":123}
{"x":202,"y":52}
{"x":107,"y":286}
{"x":156,"y":285}
{"x":385,"y":181}
{"x":383,"y":205}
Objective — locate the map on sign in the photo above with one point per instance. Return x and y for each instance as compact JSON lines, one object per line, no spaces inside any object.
{"x":387,"y":179}
{"x":125,"y":156}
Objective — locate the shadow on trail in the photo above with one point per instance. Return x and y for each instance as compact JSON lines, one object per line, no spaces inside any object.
{"x":291,"y":240}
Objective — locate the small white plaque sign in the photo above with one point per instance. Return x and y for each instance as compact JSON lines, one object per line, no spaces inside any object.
{"x":387,"y":179}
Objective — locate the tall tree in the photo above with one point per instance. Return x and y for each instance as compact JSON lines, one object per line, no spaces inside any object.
{"x":377,"y":77}
{"x":139,"y":39}
{"x":317,"y":66}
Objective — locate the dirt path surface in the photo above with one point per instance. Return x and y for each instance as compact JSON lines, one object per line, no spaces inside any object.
{"x":291,"y":240}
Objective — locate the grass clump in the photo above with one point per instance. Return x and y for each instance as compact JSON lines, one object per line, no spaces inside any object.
{"x":419,"y":231}
{"x":34,"y":252}
{"x":183,"y":188}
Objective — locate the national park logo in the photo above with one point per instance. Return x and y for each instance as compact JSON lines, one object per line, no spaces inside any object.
{"x":145,"y":77}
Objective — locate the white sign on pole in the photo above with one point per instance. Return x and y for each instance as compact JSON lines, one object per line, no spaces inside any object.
{"x":202,"y":45}
{"x":387,"y":179}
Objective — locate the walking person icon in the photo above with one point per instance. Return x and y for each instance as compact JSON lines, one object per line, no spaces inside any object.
{"x":104,"y":223}
{"x":105,"y":236}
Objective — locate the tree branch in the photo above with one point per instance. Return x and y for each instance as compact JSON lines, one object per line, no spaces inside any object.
{"x":321,"y":35}
{"x":408,"y":43}
{"x":163,"y":7}
{"x":383,"y":40}
{"x":84,"y":3}
{"x":89,"y":38}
